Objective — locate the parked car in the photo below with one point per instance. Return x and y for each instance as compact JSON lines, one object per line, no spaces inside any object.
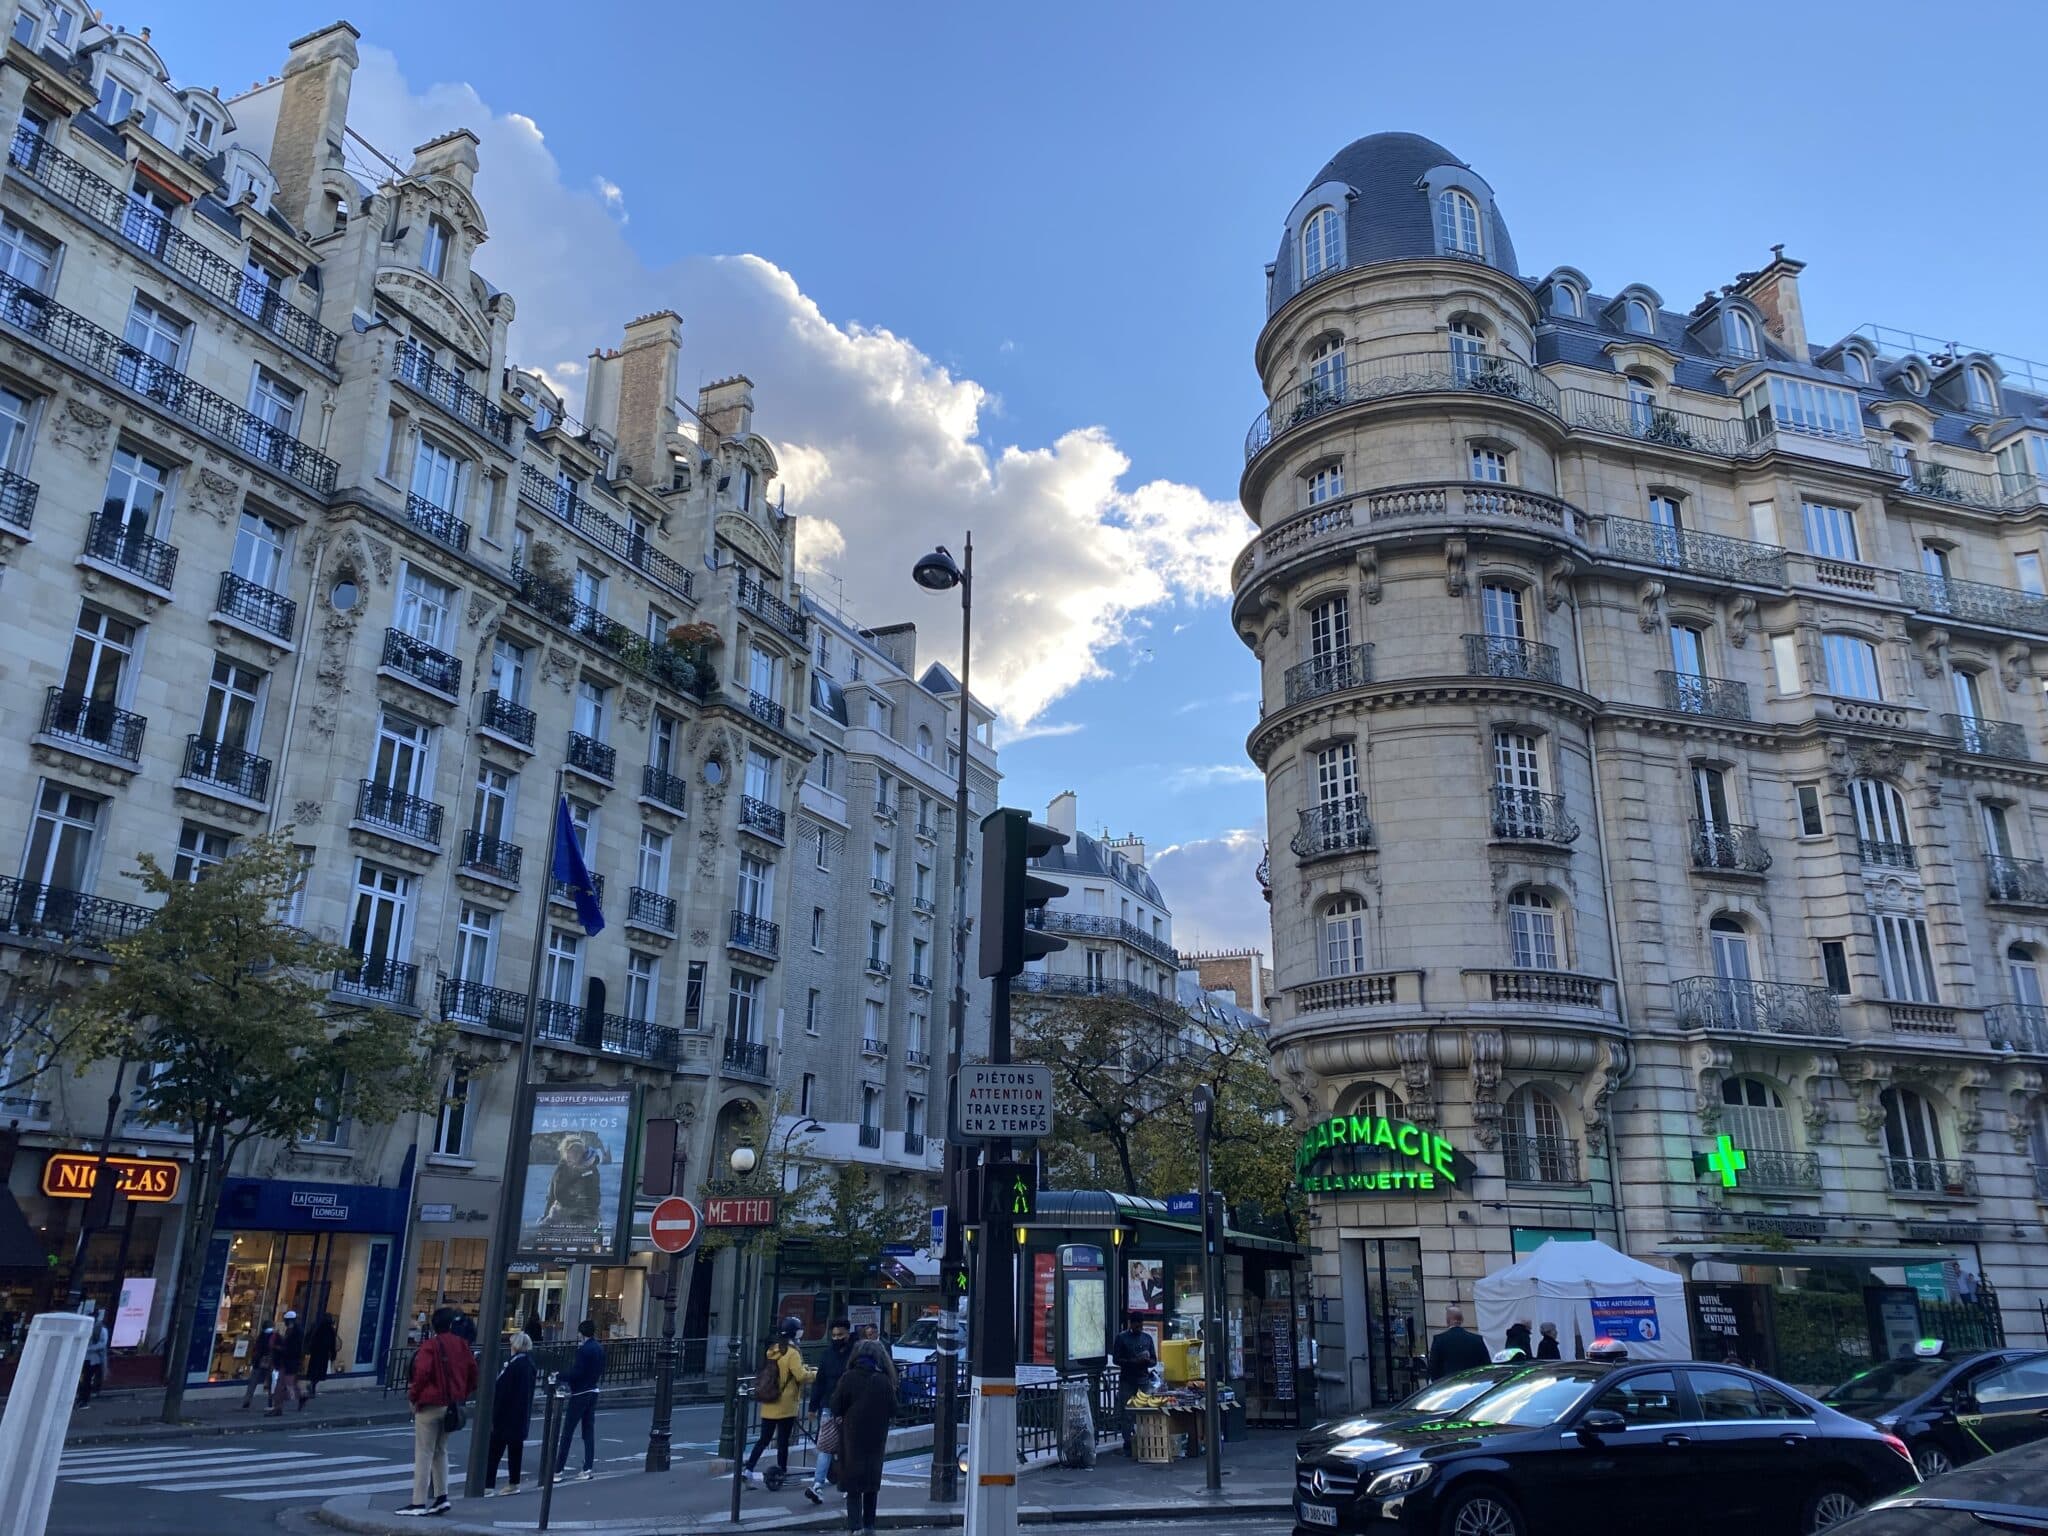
{"x":1952,"y":1408}
{"x":1677,"y":1448}
{"x":1438,"y":1399}
{"x":2006,"y":1492}
{"x":916,"y":1355}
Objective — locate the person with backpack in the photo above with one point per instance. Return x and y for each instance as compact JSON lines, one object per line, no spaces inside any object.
{"x":443,"y":1379}
{"x":586,"y":1369}
{"x":779,"y":1389}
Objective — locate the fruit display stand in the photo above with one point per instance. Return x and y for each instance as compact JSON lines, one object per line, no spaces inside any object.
{"x":1165,"y":1426}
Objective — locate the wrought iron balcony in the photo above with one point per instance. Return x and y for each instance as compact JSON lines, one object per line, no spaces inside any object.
{"x":924,"y":904}
{"x":108,"y":206}
{"x":589,"y":755}
{"x":126,"y":547}
{"x":422,"y":663}
{"x":471,"y":1002}
{"x":1932,"y":1176}
{"x":1732,"y":849}
{"x":871,"y":1135}
{"x":1098,"y":925}
{"x":642,"y":1039}
{"x":916,"y":1058}
{"x":766,"y":710}
{"x":1530,"y":1159}
{"x":922,"y":980}
{"x":84,"y":721}
{"x":1502,"y":656}
{"x":229,"y":768}
{"x":755,"y":597}
{"x":1531,"y":816}
{"x":1880,"y":853}
{"x":1939,"y":482}
{"x":557,"y":891}
{"x":2017,"y":882}
{"x":1701,"y":554}
{"x":743,"y":1058}
{"x":885,"y":812}
{"x":1717,"y":698}
{"x":257,"y":606}
{"x":2017,"y":1027}
{"x":418,"y":370}
{"x":928,"y":830}
{"x":880,"y":887}
{"x":629,"y":544}
{"x":1756,"y":1007}
{"x":664,"y":788}
{"x":1348,"y":666}
{"x":877,"y":966}
{"x":515,"y":722}
{"x":759,"y":816}
{"x":566,"y":1023}
{"x":391,"y":982}
{"x":1385,"y":378}
{"x":394,"y":810}
{"x":1341,"y":826}
{"x":1781,"y":1170}
{"x":756,"y":934}
{"x":31,"y":911}
{"x":651,"y":910}
{"x":492,"y":856}
{"x":1973,"y":602}
{"x":870,"y":1046}
{"x":1052,"y":984}
{"x":1987,"y":738}
{"x":1650,"y":423}
{"x":17,"y":500}
{"x":913,"y":1143}
{"x":436,"y":522}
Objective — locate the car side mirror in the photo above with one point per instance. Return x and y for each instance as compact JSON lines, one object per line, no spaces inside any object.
{"x":1601,"y":1421}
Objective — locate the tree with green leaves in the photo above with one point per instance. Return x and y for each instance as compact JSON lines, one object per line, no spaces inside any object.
{"x":224,"y":1009}
{"x":841,"y":1215}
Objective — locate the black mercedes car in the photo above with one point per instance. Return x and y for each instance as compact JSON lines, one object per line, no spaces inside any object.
{"x":1951,"y":1409}
{"x":2007,"y":1492}
{"x":1432,"y":1402}
{"x":1671,"y":1448}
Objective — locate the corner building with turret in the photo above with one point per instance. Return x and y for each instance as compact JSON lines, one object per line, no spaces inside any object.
{"x":1652,"y":727}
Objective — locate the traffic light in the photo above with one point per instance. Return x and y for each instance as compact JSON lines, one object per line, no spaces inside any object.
{"x":955,"y":1280}
{"x":1010,"y":1191}
{"x":1010,"y":840}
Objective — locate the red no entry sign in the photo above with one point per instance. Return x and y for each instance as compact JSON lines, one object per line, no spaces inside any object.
{"x":673,"y":1226}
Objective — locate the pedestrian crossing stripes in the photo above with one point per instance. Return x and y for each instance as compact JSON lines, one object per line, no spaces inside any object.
{"x":248,"y":1474}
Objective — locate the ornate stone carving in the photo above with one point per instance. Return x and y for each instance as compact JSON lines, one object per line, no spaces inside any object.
{"x":2022,"y":1086}
{"x":1557,"y":582}
{"x":557,"y":666}
{"x":1485,"y":1049}
{"x":634,"y":705}
{"x":304,"y":811}
{"x":1711,"y":1063}
{"x":2012,"y":664}
{"x":1369,"y":571}
{"x":1418,"y":1080}
{"x":81,"y":427}
{"x":1869,"y":1100}
{"x":1299,"y":1086}
{"x":481,"y":610}
{"x":1650,"y":603}
{"x":1815,"y":1111}
{"x":1741,"y":618}
{"x":216,"y":495}
{"x":1454,"y":566}
{"x":1934,"y":652}
{"x":380,"y":557}
{"x":1601,"y":1080}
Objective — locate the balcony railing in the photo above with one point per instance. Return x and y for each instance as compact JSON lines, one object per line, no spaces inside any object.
{"x":870,"y":1046}
{"x":2017,"y":1027}
{"x":1053,"y":984}
{"x":877,"y":966}
{"x":394,"y":810}
{"x":1920,"y":1018}
{"x":436,"y":522}
{"x":392,"y":982}
{"x":759,"y":816}
{"x":256,"y":606}
{"x":755,"y":597}
{"x":1733,"y":849}
{"x":1648,"y":423}
{"x":17,"y":500}
{"x":32,"y":911}
{"x":913,"y":1143}
{"x":923,"y":904}
{"x":879,"y":887}
{"x":913,"y":1057}
{"x":643,"y":1039}
{"x":1552,"y":989}
{"x":756,"y":933}
{"x":871,"y":1135}
{"x":84,"y":721}
{"x":1932,"y":1176}
{"x":1756,"y":1007}
{"x":1973,"y":602}
{"x":1502,"y":656}
{"x":1348,"y":666}
{"x":928,"y":830}
{"x":922,"y":980}
{"x":448,"y":390}
{"x":492,"y":856}
{"x":1717,"y":698}
{"x":107,"y":205}
{"x":1384,"y":378}
{"x":515,"y":722}
{"x":651,"y":910}
{"x":1099,"y":925}
{"x":471,"y":1002}
{"x":656,"y":660}
{"x":1881,"y":853}
{"x":1341,"y":826}
{"x":664,"y":788}
{"x":744,"y":1058}
{"x":128,"y":548}
{"x":589,"y":755}
{"x":1373,"y":990}
{"x":229,"y":768}
{"x":629,"y":544}
{"x":558,"y":891}
{"x":885,"y":812}
{"x":1530,"y":1159}
{"x":421,"y":662}
{"x":1781,"y":1170}
{"x":1939,"y":482}
{"x":1531,"y":816}
{"x":766,"y":710}
{"x":1987,"y":738}
{"x":66,"y":331}
{"x":565,"y":1023}
{"x":2017,"y":882}
{"x":1703,"y":554}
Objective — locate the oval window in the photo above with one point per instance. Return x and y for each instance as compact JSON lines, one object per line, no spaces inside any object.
{"x":343,"y":596}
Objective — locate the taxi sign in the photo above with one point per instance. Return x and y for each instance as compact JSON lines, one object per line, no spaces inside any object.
{"x":1928,"y":1349}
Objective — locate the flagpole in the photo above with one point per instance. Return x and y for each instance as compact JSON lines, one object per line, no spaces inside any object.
{"x":498,"y":1263}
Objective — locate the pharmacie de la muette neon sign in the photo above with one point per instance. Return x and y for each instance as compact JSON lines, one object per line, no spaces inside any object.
{"x":1413,"y":1158}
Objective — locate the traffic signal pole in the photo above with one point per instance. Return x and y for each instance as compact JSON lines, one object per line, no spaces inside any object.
{"x":992,"y":1411}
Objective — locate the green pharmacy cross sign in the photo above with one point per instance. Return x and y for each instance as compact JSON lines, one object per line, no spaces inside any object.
{"x":1412,"y":1158}
{"x":1727,"y":1159}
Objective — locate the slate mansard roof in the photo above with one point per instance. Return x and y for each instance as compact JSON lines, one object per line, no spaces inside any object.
{"x":1087,"y":856}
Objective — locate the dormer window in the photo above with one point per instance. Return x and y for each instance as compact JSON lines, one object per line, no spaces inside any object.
{"x":1322,"y":243}
{"x":1564,"y":301}
{"x":746,"y":492}
{"x":1914,"y":378}
{"x":1457,"y":222}
{"x":63,"y":23}
{"x":201,"y":128}
{"x":434,"y":250}
{"x":1857,"y":366}
{"x":1738,"y":334}
{"x":1636,"y":318}
{"x":117,"y":100}
{"x":25,"y":23}
{"x":1980,"y":389}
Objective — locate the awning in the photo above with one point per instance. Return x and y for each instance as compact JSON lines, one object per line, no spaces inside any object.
{"x":19,"y":1246}
{"x":1232,"y":1238}
{"x":1802,"y":1253}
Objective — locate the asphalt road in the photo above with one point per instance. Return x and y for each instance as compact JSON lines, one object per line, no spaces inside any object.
{"x":238,"y":1485}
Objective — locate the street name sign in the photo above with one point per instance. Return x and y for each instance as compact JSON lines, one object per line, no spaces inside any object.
{"x":1005,"y":1101}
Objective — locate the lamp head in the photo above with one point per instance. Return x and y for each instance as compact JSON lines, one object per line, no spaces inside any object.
{"x":937,"y":571}
{"x":742,"y":1160}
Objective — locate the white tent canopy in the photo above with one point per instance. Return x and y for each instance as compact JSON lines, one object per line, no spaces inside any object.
{"x":1587,"y":1289}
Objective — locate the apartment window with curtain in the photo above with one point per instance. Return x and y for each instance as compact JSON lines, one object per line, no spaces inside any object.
{"x":1852,"y":668}
{"x":1344,"y":937}
{"x":1532,"y":931}
{"x":1905,"y":958}
{"x":1831,"y":531}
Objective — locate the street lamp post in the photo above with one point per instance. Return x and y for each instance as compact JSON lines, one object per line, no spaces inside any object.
{"x":742,"y":1163}
{"x":938,"y":572}
{"x":806,"y":1125}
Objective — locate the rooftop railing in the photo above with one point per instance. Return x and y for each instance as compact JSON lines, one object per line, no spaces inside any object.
{"x":1647,"y":422}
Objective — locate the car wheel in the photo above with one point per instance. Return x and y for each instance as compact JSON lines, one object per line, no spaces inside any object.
{"x":1481,"y":1512}
{"x":1930,"y":1460}
{"x":1828,"y":1506}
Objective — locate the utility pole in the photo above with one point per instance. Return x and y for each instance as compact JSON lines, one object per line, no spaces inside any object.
{"x":1214,"y":1355}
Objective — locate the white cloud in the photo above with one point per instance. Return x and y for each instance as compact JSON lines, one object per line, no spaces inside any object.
{"x":1008,"y":735}
{"x":1209,"y":775}
{"x":883,"y":445}
{"x":613,"y":196}
{"x":1212,"y":886}
{"x":1219,"y":701}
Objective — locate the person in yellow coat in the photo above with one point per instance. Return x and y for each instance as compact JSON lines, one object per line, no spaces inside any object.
{"x":782,"y":1367}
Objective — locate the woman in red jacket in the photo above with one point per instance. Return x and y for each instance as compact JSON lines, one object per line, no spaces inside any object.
{"x":443,"y":1375}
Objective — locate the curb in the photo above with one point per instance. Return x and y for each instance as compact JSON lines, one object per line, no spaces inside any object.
{"x":1181,"y":1513}
{"x":150,"y":1429}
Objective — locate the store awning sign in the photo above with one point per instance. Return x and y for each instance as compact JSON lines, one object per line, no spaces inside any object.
{"x":1416,"y":1159}
{"x":150,"y":1180}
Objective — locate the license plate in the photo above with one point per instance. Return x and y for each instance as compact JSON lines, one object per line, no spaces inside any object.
{"x":1318,"y":1514}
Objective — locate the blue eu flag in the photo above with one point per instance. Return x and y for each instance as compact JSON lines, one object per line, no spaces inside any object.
{"x":572,"y":874}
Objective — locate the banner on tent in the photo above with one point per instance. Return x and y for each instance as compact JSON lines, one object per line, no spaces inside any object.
{"x":1632,"y":1319}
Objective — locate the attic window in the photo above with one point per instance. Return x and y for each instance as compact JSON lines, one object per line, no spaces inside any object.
{"x":1564,"y":300}
{"x":1739,"y":334}
{"x":1457,"y":222}
{"x":117,"y":100}
{"x":1980,"y":389}
{"x":434,"y":249}
{"x":1856,"y":365}
{"x":1636,"y":318}
{"x":200,"y":128}
{"x":1322,"y":248}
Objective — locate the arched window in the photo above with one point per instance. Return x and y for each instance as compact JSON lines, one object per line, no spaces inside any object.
{"x":1642,"y":404}
{"x":1344,"y":937}
{"x":1324,"y":484}
{"x":1532,"y":931}
{"x":2024,"y":973}
{"x":1914,"y":1150}
{"x":1370,"y":1098}
{"x":1322,"y":243}
{"x":1856,"y":365}
{"x":1730,"y":944}
{"x":434,"y":251}
{"x":1535,"y":1146}
{"x":1882,"y":835}
{"x":1637,"y":319}
{"x":1457,"y":222}
{"x":1754,"y":1115}
{"x":1980,"y":388}
{"x":1914,"y":378}
{"x":1739,"y":333}
{"x":1326,"y":371}
{"x":1564,"y":300}
{"x":924,"y":742}
{"x":1468,"y":347}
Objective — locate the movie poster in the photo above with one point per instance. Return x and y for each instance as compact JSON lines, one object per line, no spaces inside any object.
{"x":572,"y":1205}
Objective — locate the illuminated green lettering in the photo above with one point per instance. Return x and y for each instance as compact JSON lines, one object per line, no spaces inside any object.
{"x":1383,"y":1135}
{"x":1361,"y":1130}
{"x":1404,"y":1140}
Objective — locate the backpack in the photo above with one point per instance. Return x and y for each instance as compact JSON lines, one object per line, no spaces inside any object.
{"x":768,"y":1380}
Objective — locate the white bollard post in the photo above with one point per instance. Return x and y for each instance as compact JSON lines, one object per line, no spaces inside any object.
{"x":38,"y":1414}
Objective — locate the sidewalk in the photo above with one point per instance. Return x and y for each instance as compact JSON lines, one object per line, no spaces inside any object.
{"x":1258,"y":1480}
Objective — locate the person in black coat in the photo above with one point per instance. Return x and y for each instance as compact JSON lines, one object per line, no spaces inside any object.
{"x":865,"y":1403}
{"x":831,"y":1369}
{"x":1546,"y":1347}
{"x":1518,"y":1335}
{"x":1457,"y":1348}
{"x":511,"y":1414}
{"x":323,"y":1348}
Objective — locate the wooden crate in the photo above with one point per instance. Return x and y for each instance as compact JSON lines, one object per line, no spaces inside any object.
{"x":1151,"y":1439}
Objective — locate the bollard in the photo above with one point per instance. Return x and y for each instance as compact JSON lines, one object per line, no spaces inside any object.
{"x":38,"y":1414}
{"x":549,"y":1417}
{"x":741,"y":1433}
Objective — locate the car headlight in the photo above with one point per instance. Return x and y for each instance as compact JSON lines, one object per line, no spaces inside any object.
{"x":1400,"y":1480}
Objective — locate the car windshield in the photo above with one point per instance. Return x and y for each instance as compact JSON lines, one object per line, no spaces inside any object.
{"x":1449,"y":1396}
{"x":1889,"y":1384}
{"x":1541,"y":1397}
{"x":922,"y":1334}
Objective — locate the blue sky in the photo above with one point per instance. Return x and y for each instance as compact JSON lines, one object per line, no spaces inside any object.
{"x":1011,"y":224}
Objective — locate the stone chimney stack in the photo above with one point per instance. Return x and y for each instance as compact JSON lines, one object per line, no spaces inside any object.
{"x":311,"y":116}
{"x":1132,"y":848}
{"x":1062,"y":813}
{"x":727,"y":406}
{"x":1775,"y":291}
{"x":452,"y":155}
{"x":646,"y":367}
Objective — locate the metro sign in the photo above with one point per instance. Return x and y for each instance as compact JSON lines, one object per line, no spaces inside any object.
{"x":739,"y":1211}
{"x":150,"y":1180}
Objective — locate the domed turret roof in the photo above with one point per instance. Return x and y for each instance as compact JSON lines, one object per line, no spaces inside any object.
{"x":1390,"y":182}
